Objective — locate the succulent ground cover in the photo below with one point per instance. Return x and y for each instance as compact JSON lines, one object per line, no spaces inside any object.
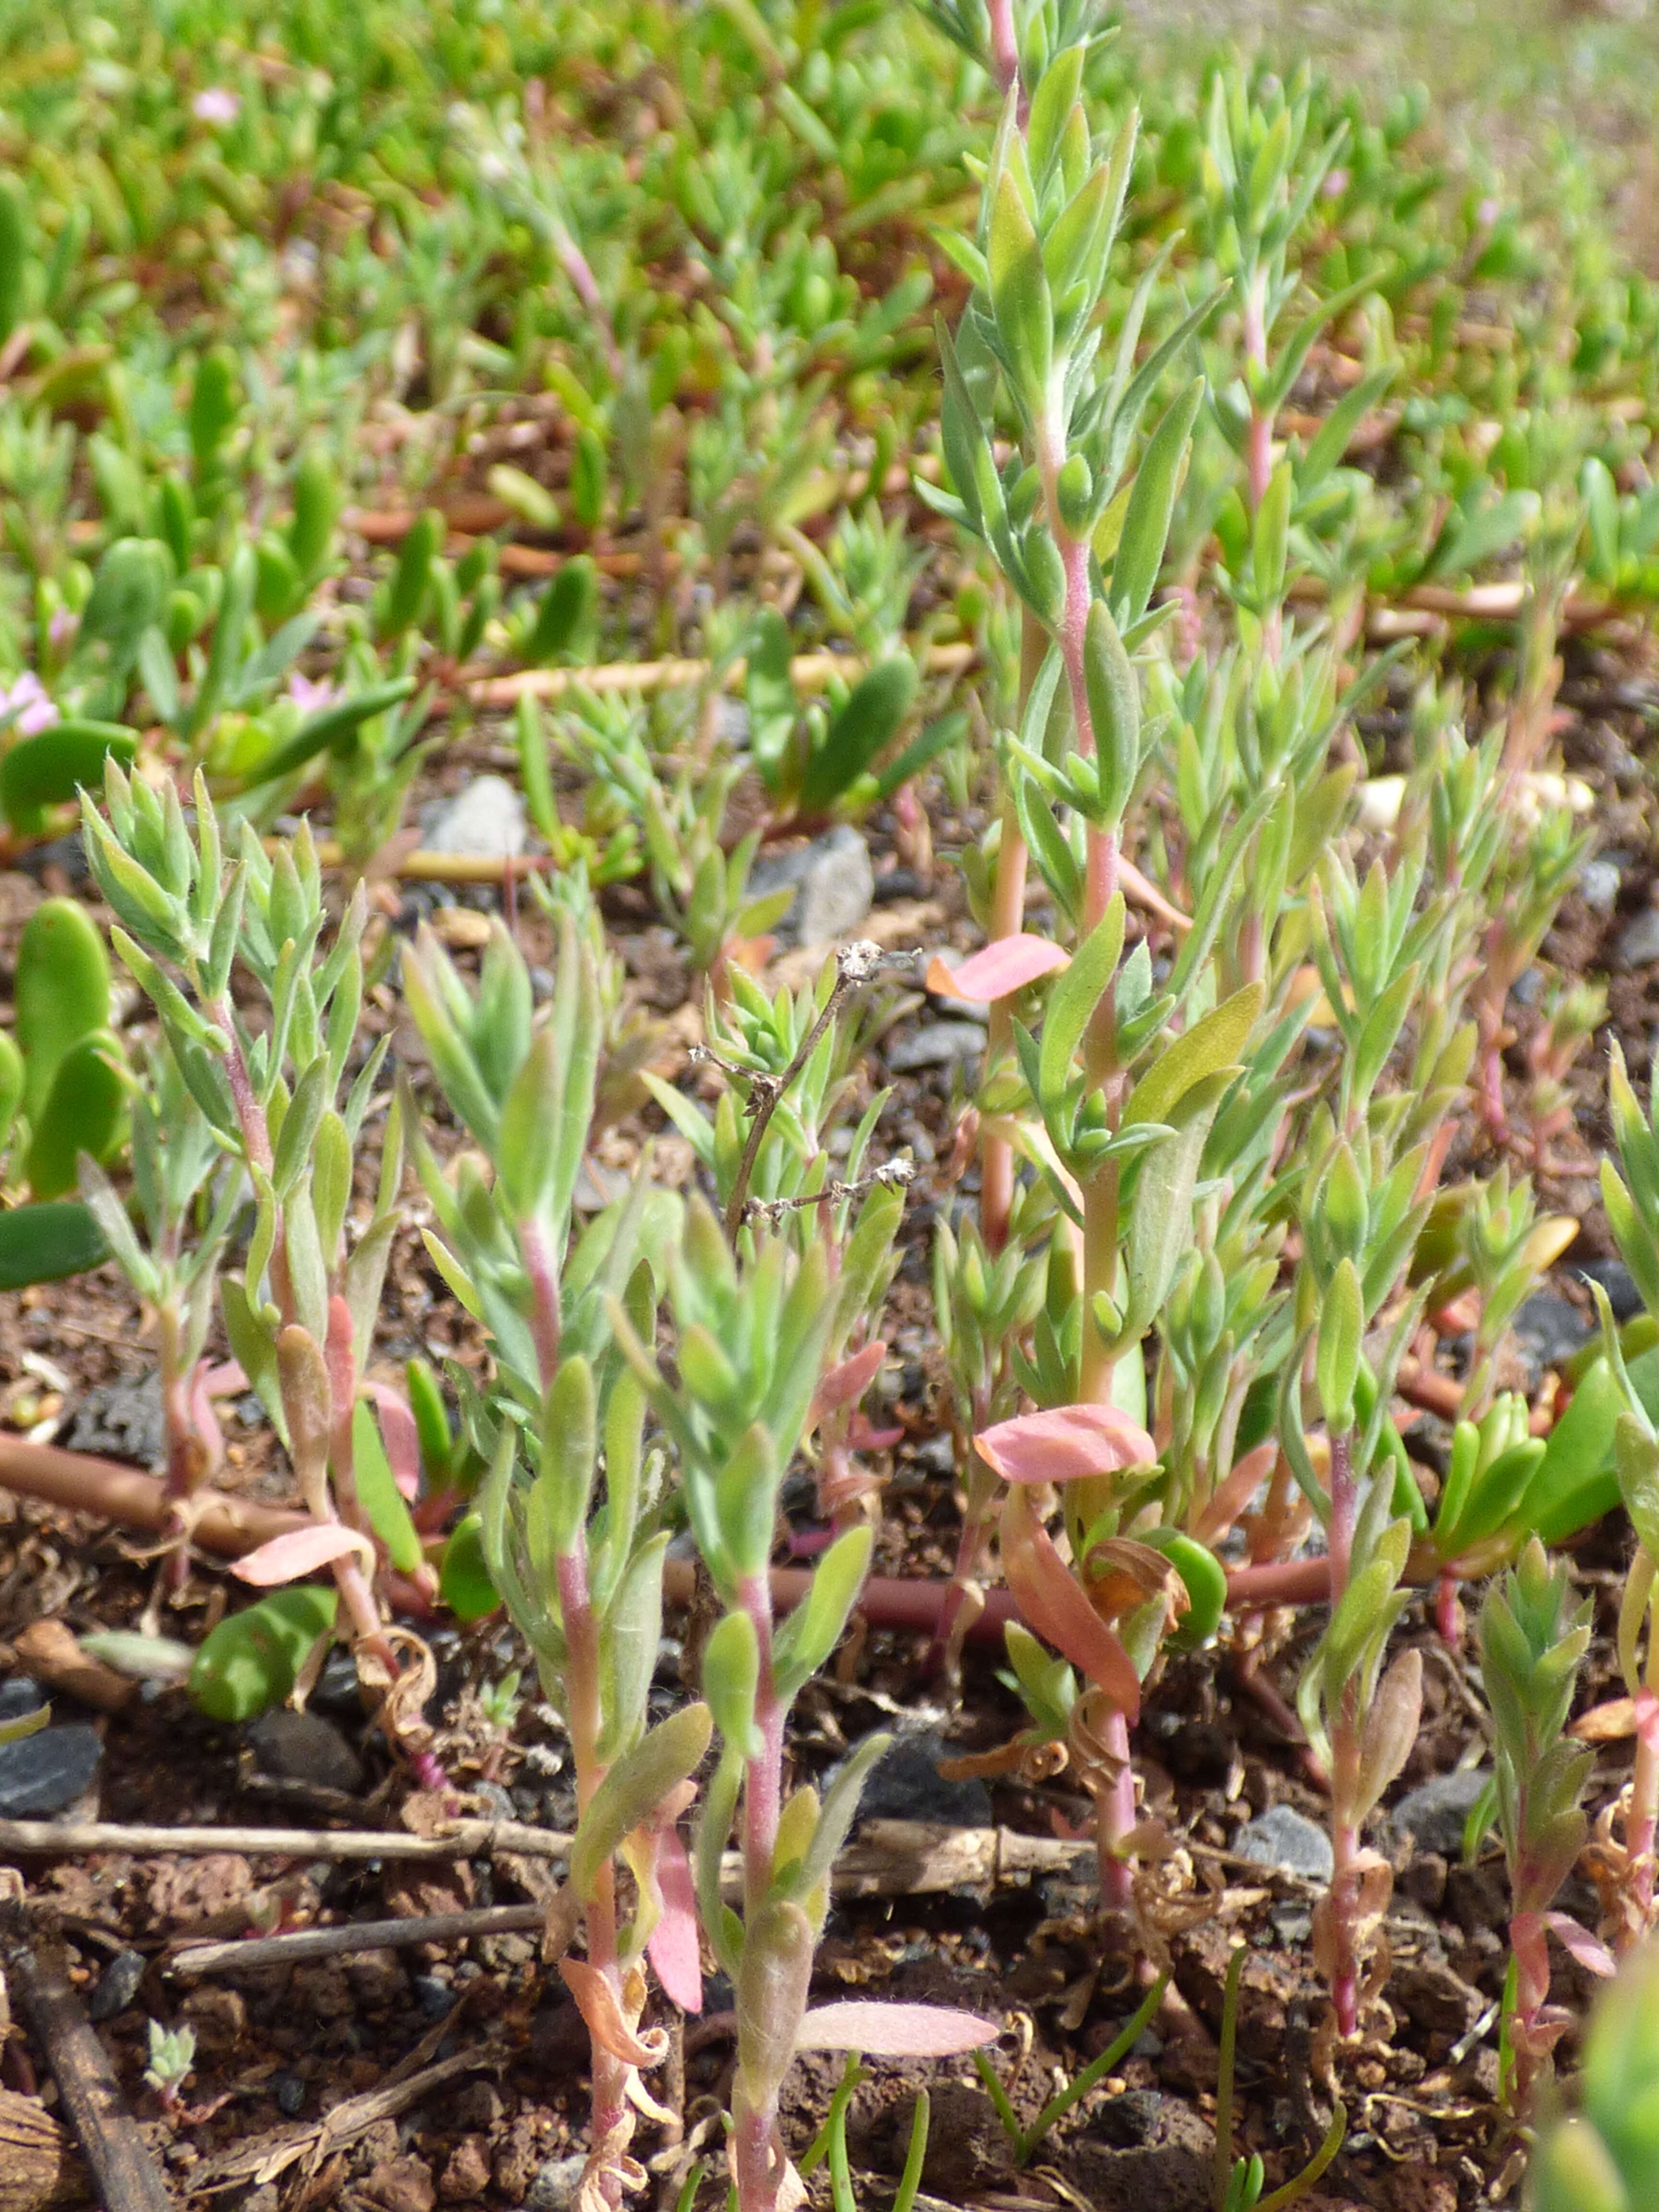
{"x":829,"y":880}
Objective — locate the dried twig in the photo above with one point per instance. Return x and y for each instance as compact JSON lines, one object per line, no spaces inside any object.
{"x":855,"y":964}
{"x":115,"y":2152}
{"x":465,"y":1839}
{"x":809,"y":671}
{"x":355,"y":1936}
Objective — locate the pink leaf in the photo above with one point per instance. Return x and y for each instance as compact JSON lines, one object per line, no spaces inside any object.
{"x":894,"y":2030}
{"x":1007,"y":964}
{"x":1053,"y":1603}
{"x":1592,"y":1955}
{"x":1647,"y":1718}
{"x":1230,"y":1497}
{"x":1064,"y":1444}
{"x":301,"y":1552}
{"x":400,"y":1436}
{"x":845,"y":1384}
{"x":204,"y":1420}
{"x":672,"y":1947}
{"x":227,"y":1380}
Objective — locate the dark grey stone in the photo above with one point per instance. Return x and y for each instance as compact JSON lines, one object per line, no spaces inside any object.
{"x":118,"y":1985}
{"x":1283,"y":1838}
{"x":435,"y":1998}
{"x":1617,"y":1280}
{"x":122,"y":1420}
{"x":1434,"y":1813}
{"x":1639,"y":941}
{"x":1547,"y":1330}
{"x":936,"y":1044}
{"x":305,"y":1748}
{"x":20,"y":1694}
{"x":290,"y":2092}
{"x":43,"y":1774}
{"x":907,"y":1785}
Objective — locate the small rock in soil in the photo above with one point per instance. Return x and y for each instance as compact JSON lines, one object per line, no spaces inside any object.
{"x":1617,"y":1280}
{"x":1433,"y":1999}
{"x":435,"y":1998}
{"x":833,"y":883}
{"x":478,"y":2108}
{"x":936,"y":1044}
{"x":1129,"y":2119}
{"x":290,"y":2091}
{"x":1547,"y":1330}
{"x":467,"y":2174}
{"x":1433,"y":1815}
{"x":118,"y":1985}
{"x":20,"y":1694}
{"x":554,"y":2189}
{"x":907,"y":1785}
{"x":43,"y":1774}
{"x":1598,"y":885}
{"x":1638,"y":942}
{"x":336,"y":1692}
{"x":305,"y":1748}
{"x":486,"y":817}
{"x":122,"y":1420}
{"x":517,"y":2158}
{"x":400,"y":2185}
{"x":1283,"y":1838}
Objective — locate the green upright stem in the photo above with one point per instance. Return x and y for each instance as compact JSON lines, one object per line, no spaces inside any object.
{"x":1344,"y":1752}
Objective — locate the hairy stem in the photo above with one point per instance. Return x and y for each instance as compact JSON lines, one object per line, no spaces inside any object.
{"x":1345,"y":1752}
{"x":609,"y":2074}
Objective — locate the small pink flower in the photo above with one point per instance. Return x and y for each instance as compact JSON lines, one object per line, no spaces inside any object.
{"x":26,"y":705}
{"x":1488,"y":212}
{"x":216,"y":105}
{"x":61,"y":630}
{"x":1334,"y":185}
{"x":310,"y":694}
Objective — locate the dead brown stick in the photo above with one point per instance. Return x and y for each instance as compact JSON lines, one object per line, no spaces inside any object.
{"x":85,"y":1483}
{"x":463,"y":1839}
{"x":354,"y":1936}
{"x":810,"y":672}
{"x":116,"y":2153}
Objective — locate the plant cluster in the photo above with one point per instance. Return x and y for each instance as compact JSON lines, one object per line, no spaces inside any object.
{"x":1219,"y":1217}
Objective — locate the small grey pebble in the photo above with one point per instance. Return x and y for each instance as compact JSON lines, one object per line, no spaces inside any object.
{"x":554,"y":2189}
{"x":435,"y":1998}
{"x":1283,"y":1838}
{"x":907,"y":1785}
{"x":1291,"y":1924}
{"x":1598,"y":885}
{"x":1548,"y":1329}
{"x":498,"y":1803}
{"x":44,"y":1773}
{"x":485,"y":817}
{"x":305,"y":1748}
{"x":20,"y":1694}
{"x":1617,"y":1280}
{"x":935,"y":1044}
{"x":937,"y":1456}
{"x":1638,"y":942}
{"x":118,"y":1985}
{"x":121,"y":1420}
{"x":1433,"y":1815}
{"x":290,"y":2092}
{"x":837,"y":889}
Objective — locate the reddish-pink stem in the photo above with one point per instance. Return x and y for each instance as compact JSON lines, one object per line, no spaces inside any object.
{"x":1005,"y":49}
{"x":609,"y":2075}
{"x":1115,"y":1817}
{"x":542,"y":1271}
